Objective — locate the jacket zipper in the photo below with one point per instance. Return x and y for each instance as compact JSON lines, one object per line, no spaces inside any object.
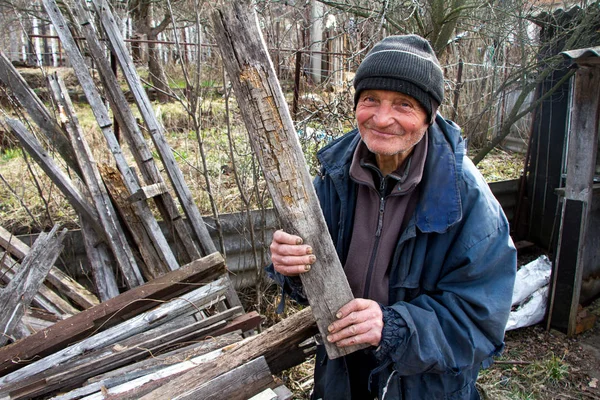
{"x":377,"y":238}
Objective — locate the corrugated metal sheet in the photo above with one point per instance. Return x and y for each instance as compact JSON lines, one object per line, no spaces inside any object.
{"x":590,"y":52}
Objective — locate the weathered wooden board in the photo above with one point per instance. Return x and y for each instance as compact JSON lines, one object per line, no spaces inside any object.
{"x":109,"y":313}
{"x":292,"y":330}
{"x":239,"y":383}
{"x":150,"y":365}
{"x":132,"y":133}
{"x":188,"y":303}
{"x":100,"y":261}
{"x":46,"y":298}
{"x":18,"y":294}
{"x":104,"y":120}
{"x":37,"y":111}
{"x":97,"y":192}
{"x":154,"y":263}
{"x":60,"y":179}
{"x":135,"y":347}
{"x":274,"y":140}
{"x":576,"y":210}
{"x":156,"y":130}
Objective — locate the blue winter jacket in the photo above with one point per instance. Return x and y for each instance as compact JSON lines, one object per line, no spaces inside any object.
{"x":451,"y":275}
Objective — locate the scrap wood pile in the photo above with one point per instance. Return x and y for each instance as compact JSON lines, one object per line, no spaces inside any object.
{"x":166,"y":322}
{"x":133,"y":344}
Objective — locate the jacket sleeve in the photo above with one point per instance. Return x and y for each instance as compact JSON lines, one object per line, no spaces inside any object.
{"x":290,"y":285}
{"x":459,"y":321}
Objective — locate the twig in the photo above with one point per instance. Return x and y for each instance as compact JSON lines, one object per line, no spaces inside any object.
{"x":512,"y":362}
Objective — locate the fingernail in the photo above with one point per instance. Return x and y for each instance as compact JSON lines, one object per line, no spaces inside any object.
{"x":329,"y":338}
{"x":330,"y":328}
{"x":307,"y":268}
{"x":309,"y":250}
{"x":338,"y":315}
{"x":312,"y":259}
{"x":299,"y":241}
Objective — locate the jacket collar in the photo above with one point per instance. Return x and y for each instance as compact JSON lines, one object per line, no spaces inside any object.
{"x":440,"y":205}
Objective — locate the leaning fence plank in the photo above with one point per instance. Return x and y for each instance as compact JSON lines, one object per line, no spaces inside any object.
{"x":156,"y":130}
{"x":153,"y":265}
{"x":98,"y":194}
{"x":100,"y":261}
{"x":108,"y":313}
{"x":35,"y":150}
{"x":17,"y":295}
{"x":61,"y":281}
{"x":93,"y":97}
{"x":131,"y":131}
{"x":37,"y":111}
{"x":274,"y":140}
{"x":164,"y":313}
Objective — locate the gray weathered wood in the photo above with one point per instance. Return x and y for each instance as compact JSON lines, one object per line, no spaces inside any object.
{"x":140,"y":345}
{"x":269,"y":343}
{"x":148,"y":192}
{"x":17,"y":295}
{"x":109,"y":313}
{"x":105,"y":122}
{"x":98,"y":194}
{"x":61,"y":281}
{"x":100,"y":261}
{"x":569,"y":265}
{"x":154,"y":264}
{"x":36,"y":151}
{"x":239,"y":383}
{"x":156,"y":130}
{"x":164,"y":313}
{"x":46,"y":298}
{"x":159,"y":361}
{"x":131,"y":131}
{"x":37,"y":111}
{"x":274,"y":140}
{"x":148,"y":366}
{"x":136,"y":388}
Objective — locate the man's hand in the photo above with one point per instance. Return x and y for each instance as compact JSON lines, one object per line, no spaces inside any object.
{"x":289,"y":256}
{"x":359,"y":321}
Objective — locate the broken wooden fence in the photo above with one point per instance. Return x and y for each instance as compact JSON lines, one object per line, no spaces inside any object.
{"x":130,"y":345}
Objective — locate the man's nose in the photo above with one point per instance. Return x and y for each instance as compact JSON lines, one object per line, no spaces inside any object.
{"x":383,"y":115}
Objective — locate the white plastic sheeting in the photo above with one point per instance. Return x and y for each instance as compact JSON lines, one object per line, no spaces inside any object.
{"x":530,"y":295}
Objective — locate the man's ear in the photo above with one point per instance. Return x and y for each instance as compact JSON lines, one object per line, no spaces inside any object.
{"x":434,"y":108}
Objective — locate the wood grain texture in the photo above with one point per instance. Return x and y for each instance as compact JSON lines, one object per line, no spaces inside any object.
{"x":18,"y":294}
{"x":108,"y":313}
{"x":290,"y":331}
{"x":275,"y":141}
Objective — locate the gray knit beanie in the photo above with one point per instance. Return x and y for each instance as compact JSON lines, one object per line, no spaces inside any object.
{"x":405,"y":64}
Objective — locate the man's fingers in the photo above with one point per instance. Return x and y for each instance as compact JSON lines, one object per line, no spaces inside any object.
{"x":365,"y":332}
{"x":292,"y":270}
{"x":285,"y":238}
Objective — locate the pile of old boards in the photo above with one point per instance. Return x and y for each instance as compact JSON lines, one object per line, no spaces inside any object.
{"x":164,"y":320}
{"x":177,"y":327}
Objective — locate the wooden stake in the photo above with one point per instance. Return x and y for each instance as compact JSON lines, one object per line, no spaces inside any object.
{"x":275,"y":141}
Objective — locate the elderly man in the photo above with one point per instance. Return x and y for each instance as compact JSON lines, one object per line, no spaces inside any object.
{"x":424,"y":244}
